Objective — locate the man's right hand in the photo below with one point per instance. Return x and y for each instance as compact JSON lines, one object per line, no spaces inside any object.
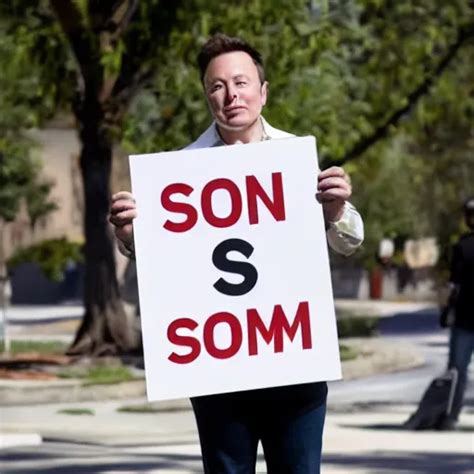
{"x":122,"y":212}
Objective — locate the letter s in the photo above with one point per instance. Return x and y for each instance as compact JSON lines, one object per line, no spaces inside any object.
{"x":246,"y":269}
{"x":180,"y":207}
{"x":188,"y":341}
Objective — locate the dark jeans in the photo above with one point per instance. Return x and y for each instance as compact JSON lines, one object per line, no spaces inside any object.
{"x":461,"y":345}
{"x":290,"y":428}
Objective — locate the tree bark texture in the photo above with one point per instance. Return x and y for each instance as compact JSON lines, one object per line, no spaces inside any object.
{"x":105,"y":329}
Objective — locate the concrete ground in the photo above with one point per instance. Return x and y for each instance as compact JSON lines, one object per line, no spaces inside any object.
{"x":368,"y":440}
{"x":358,"y":439}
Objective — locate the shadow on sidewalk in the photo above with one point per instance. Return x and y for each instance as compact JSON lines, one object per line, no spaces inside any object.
{"x":389,"y":462}
{"x":80,"y":461}
{"x":399,"y":427}
{"x":417,"y":322}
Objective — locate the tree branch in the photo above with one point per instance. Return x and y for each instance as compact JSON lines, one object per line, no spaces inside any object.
{"x":381,"y":131}
{"x":133,"y":73}
{"x":121,"y":100}
{"x":112,"y":29}
{"x":69,"y":18}
{"x":121,"y":18}
{"x":141,"y":79}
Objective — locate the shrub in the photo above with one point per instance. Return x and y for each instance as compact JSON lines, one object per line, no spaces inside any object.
{"x":357,"y":326}
{"x":52,"y":256}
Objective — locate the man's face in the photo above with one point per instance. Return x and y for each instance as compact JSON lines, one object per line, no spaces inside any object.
{"x":233,"y":90}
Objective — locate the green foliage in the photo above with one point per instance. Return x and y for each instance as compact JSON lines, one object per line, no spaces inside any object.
{"x":52,"y":256}
{"x":347,"y":353}
{"x":414,"y":184}
{"x":357,"y":326}
{"x":41,"y":72}
{"x":17,"y":170}
{"x":339,"y":73}
{"x":20,"y":96}
{"x":19,"y":181}
{"x":336,"y":75}
{"x":337,"y":70}
{"x":37,"y":203}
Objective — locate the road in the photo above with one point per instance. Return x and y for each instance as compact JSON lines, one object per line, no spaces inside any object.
{"x":420,"y":330}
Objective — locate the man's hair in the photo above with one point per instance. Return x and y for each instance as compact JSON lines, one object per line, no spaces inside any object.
{"x":221,"y":44}
{"x":468,"y":208}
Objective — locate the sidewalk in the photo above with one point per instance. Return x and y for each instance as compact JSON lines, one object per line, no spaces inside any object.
{"x":362,"y":441}
{"x":360,"y":436}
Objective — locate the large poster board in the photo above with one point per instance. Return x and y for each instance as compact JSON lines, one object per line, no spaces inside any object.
{"x":233,"y":272}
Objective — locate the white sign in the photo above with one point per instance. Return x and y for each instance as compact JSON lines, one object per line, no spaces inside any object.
{"x":233,"y":271}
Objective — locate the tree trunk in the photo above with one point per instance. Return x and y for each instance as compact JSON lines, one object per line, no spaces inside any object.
{"x":105,"y":329}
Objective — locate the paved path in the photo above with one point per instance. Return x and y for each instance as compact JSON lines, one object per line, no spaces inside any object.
{"x":362,"y":434}
{"x":369,"y":441}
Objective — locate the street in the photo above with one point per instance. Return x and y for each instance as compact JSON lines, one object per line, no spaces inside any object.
{"x":418,"y":329}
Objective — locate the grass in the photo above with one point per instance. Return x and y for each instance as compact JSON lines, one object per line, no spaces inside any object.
{"x":41,"y":347}
{"x":347,"y":353}
{"x":102,"y":375}
{"x":77,"y":411}
{"x":144,"y":408}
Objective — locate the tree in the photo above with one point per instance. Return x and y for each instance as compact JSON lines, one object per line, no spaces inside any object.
{"x":113,"y":57}
{"x":19,"y":169}
{"x":425,"y":168}
{"x":118,"y":47}
{"x":344,"y":71}
{"x":366,"y":78}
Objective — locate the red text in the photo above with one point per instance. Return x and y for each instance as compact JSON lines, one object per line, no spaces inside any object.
{"x":256,"y":330}
{"x":253,"y":190}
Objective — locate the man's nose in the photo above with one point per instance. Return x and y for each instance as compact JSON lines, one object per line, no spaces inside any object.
{"x":231,"y":93}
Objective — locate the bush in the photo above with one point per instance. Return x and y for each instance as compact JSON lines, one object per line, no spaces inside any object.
{"x":52,"y":256}
{"x":357,"y":326}
{"x":347,"y":353}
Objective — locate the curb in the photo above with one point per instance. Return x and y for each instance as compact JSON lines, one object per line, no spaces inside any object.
{"x":29,"y":392}
{"x":12,"y":440}
{"x":375,"y":357}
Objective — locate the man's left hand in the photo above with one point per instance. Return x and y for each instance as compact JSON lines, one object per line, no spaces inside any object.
{"x":334,"y":189}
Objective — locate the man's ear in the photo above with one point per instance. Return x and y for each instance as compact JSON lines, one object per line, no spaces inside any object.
{"x":264,"y":92}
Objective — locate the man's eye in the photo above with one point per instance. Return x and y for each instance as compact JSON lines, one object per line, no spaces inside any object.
{"x":215,"y":87}
{"x":241,"y":83}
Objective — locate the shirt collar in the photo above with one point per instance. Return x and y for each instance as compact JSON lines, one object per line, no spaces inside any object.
{"x":217,"y":140}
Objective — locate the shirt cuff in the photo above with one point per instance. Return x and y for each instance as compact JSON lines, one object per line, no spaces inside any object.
{"x":126,"y":250}
{"x":346,"y":234}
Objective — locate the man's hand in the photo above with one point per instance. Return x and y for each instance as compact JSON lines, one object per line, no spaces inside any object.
{"x":122,"y":213}
{"x":334,"y":189}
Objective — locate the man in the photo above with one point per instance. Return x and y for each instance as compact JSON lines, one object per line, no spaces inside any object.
{"x":461,"y":343}
{"x":287,"y":420}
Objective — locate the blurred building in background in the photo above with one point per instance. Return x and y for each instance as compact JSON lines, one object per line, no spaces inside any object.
{"x":58,"y":151}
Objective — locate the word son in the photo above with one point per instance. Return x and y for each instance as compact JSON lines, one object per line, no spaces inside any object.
{"x":279,"y":323}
